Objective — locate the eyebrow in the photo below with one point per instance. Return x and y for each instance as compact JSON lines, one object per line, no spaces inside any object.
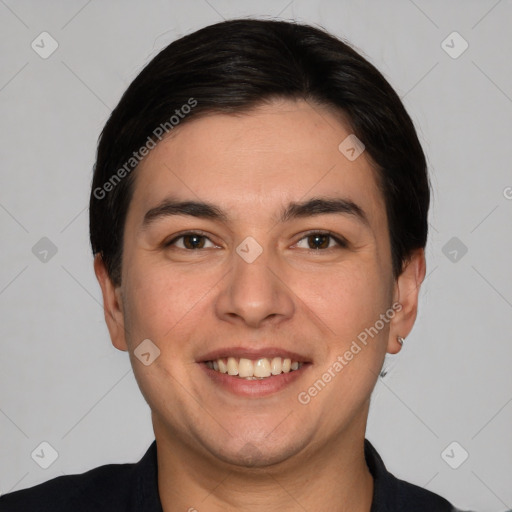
{"x":310,"y":207}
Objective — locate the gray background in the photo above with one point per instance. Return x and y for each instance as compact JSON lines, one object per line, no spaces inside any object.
{"x":62,"y":381}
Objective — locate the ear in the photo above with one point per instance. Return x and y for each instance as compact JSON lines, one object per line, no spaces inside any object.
{"x":407,"y":289}
{"x":112,"y":305}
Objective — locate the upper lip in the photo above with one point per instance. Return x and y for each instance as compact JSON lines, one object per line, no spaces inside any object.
{"x":251,"y":353}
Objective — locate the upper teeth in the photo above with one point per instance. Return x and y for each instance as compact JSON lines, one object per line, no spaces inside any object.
{"x":247,"y":368}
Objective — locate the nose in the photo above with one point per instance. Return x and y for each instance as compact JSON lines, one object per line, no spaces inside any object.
{"x":256,"y":293}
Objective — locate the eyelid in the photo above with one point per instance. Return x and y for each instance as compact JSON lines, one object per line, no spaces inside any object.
{"x":177,"y":236}
{"x":340,"y":241}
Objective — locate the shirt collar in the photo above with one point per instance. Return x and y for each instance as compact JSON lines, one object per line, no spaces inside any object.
{"x":384,"y":483}
{"x":145,"y":497}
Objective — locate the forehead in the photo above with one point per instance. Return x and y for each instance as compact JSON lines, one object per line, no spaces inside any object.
{"x":254,"y":162}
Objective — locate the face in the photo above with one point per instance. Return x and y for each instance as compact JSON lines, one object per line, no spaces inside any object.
{"x":284,"y":255}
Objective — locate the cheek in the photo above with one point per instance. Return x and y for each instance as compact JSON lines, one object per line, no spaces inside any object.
{"x":163,"y":305}
{"x":347,"y":299}
{"x":349,"y":302}
{"x":162,"y":300}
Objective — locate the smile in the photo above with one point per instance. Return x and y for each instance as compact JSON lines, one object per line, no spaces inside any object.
{"x":253,"y":369}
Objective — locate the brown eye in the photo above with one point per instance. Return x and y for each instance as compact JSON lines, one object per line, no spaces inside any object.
{"x":321,"y":240}
{"x":193,"y":241}
{"x":190,"y":241}
{"x":318,"y":241}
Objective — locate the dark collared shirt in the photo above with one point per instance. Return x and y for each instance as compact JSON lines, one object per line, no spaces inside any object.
{"x":134,"y":488}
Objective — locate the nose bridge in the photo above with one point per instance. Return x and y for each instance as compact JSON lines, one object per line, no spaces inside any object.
{"x":254,"y":293}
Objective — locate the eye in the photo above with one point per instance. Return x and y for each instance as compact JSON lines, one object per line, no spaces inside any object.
{"x":190,"y":241}
{"x":316,"y":240}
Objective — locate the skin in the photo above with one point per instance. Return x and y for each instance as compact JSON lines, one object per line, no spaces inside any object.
{"x":218,"y":451}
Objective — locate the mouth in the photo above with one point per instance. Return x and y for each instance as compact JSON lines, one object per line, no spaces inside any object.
{"x":254,"y":369}
{"x":253,"y":373}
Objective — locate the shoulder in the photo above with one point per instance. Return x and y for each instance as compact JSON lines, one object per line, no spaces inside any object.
{"x":105,"y":488}
{"x":130,"y":487}
{"x":423,"y":500}
{"x":394,"y":495}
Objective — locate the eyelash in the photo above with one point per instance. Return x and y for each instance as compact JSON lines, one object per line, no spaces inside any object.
{"x":342,"y":243}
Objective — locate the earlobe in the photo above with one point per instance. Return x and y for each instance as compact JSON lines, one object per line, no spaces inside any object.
{"x":112,"y":305}
{"x":407,"y":290}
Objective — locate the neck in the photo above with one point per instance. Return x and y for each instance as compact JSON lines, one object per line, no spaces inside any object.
{"x":332,"y":476}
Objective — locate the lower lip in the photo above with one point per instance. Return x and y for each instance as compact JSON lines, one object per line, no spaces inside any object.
{"x":254,"y":388}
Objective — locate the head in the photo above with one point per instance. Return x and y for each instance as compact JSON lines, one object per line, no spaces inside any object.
{"x":228,"y":212}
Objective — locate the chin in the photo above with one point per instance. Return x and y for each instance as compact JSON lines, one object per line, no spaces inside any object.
{"x":256,"y":449}
{"x":251,"y":456}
